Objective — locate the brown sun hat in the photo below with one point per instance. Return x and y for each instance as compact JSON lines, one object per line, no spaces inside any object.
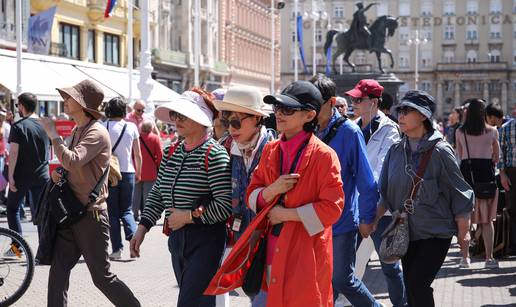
{"x":87,"y":94}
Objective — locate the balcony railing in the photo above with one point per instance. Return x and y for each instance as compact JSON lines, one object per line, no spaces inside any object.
{"x":8,"y":31}
{"x":57,"y":49}
{"x":478,"y":66}
{"x":169,"y":57}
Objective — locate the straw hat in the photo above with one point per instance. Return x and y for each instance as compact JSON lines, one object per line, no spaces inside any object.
{"x":243,"y":99}
{"x":87,"y":94}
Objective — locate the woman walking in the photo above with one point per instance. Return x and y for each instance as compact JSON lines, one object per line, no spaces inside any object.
{"x":442,"y":204}
{"x":296,"y":190}
{"x":479,"y":151}
{"x":194,"y":188}
{"x":454,"y":122}
{"x":125,"y":145}
{"x":85,"y":158}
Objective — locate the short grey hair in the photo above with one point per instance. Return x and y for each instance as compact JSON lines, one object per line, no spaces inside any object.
{"x":147,"y":126}
{"x":342,"y":100}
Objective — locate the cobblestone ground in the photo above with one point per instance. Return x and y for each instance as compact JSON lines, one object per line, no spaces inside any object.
{"x":152,"y":280}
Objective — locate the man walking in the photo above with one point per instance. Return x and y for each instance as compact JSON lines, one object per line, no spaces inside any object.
{"x":380,"y":133}
{"x":360,"y":190}
{"x":507,"y":168}
{"x":28,"y":161}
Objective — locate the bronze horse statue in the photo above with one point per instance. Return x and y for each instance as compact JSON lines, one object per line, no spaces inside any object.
{"x":346,"y":43}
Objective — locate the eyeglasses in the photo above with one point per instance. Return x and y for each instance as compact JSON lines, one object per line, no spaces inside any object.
{"x":359,"y":100}
{"x":176,"y":116}
{"x":138,"y":110}
{"x":235,"y":123}
{"x":285,"y":111}
{"x":340,"y":106}
{"x":405,"y":110}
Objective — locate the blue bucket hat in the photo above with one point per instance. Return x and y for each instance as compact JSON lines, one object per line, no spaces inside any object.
{"x":423,"y":102}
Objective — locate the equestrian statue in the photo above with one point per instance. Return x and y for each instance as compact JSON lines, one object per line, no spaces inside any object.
{"x":362,"y":36}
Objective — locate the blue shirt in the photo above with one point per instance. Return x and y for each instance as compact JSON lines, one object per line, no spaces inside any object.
{"x":360,"y":188}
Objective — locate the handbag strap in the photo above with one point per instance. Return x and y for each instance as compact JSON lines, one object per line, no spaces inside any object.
{"x":119,"y":138}
{"x":420,"y":173}
{"x":469,"y":159}
{"x":148,"y":151}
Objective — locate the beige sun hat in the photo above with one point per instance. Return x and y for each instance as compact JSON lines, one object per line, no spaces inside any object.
{"x":243,"y":99}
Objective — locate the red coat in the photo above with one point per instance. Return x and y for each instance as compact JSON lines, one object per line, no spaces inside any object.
{"x":303,"y":262}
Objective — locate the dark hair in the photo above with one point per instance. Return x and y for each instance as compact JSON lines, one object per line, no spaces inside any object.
{"x":29,"y":101}
{"x":310,"y":126}
{"x":325,"y":85}
{"x":116,"y":107}
{"x":428,"y":125}
{"x":386,"y":102}
{"x":494,"y":109}
{"x":475,"y":117}
{"x":460,"y":111}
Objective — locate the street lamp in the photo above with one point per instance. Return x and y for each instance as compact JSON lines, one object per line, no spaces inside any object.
{"x":316,"y":16}
{"x":417,"y":40}
{"x":296,"y":42}
{"x":280,"y":5}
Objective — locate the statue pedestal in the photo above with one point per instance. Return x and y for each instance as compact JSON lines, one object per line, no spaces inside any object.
{"x":347,"y":81}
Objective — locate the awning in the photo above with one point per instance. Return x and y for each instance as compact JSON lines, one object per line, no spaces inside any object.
{"x":42,"y":74}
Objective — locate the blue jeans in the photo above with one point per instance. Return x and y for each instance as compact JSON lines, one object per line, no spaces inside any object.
{"x":14,"y":201}
{"x":392,"y":272}
{"x":344,"y":279}
{"x":120,"y":202}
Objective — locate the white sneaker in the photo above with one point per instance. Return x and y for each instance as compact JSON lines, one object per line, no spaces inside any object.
{"x":116,"y":255}
{"x":464,"y":263}
{"x":491,"y":264}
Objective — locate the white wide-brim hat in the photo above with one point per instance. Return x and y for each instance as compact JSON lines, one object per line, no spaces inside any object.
{"x":184,"y":106}
{"x":243,"y":99}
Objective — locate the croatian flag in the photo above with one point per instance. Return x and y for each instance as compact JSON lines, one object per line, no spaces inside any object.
{"x":109,"y":8}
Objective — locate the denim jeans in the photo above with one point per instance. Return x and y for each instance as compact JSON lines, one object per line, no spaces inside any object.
{"x":344,"y":279}
{"x":392,"y":272}
{"x":141,"y":190}
{"x":120,"y":202}
{"x":14,"y":201}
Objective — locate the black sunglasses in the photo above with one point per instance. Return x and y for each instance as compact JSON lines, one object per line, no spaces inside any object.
{"x":138,"y":110}
{"x":176,"y":116}
{"x":286,"y":111}
{"x":405,"y":110}
{"x":235,"y":123}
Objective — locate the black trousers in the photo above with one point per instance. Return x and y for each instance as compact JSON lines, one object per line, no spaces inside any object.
{"x":196,"y":252}
{"x":421,"y":264}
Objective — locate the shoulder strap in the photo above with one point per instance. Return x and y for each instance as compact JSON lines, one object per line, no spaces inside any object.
{"x":172,"y":149}
{"x":94,"y":195}
{"x":469,"y":159}
{"x":421,"y":171}
{"x":119,"y":138}
{"x":206,"y":156}
{"x":333,"y":130}
{"x":146,"y":147}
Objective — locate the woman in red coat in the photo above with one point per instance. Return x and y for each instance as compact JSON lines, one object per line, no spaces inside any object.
{"x":297,"y":192}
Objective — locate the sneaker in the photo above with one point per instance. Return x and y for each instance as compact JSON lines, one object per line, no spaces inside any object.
{"x":464,"y":263}
{"x":116,"y":255}
{"x":13,"y":252}
{"x":491,"y":264}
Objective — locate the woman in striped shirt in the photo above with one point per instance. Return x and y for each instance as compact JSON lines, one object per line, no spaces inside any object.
{"x":194,"y":189}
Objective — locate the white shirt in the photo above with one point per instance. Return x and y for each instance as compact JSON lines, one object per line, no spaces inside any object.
{"x":125,"y":147}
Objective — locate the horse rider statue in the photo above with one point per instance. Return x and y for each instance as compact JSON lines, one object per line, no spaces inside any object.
{"x":359,"y":25}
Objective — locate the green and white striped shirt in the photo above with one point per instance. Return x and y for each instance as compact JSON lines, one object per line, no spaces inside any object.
{"x":186,"y":173}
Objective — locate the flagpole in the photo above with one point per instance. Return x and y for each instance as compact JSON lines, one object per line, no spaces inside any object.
{"x":18,"y":48}
{"x":296,"y":42}
{"x":130,"y":49}
{"x":197,"y":41}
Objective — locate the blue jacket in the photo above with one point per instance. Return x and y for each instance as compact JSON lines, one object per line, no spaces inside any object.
{"x":360,"y":188}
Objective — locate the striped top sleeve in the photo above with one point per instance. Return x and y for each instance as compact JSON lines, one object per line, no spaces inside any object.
{"x":184,"y":181}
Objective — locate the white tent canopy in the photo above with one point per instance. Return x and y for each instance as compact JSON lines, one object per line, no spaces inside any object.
{"x":41,"y":75}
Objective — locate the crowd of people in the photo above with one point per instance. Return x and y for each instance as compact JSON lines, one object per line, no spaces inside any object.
{"x":276,"y":202}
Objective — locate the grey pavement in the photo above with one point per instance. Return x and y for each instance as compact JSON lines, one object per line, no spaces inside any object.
{"x":152,"y":279}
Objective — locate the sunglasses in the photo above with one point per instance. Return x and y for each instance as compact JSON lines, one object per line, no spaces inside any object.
{"x":405,"y":110}
{"x":176,"y":116}
{"x":235,"y":123}
{"x":138,"y":110}
{"x":359,"y":100}
{"x":286,"y":111}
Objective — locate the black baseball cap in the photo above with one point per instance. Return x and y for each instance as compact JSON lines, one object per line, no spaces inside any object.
{"x":298,"y":94}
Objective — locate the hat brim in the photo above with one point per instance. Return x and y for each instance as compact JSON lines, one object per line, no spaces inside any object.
{"x":71,"y":92}
{"x":406,"y":103}
{"x":283,"y":100}
{"x":222,"y":105}
{"x":183,"y":106}
{"x":355,"y":93}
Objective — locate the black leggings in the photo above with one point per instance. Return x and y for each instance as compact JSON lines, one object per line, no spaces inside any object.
{"x":421,"y":264}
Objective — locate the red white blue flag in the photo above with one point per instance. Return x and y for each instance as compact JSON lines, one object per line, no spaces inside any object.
{"x":109,"y":8}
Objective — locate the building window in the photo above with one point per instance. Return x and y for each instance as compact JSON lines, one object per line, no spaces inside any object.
{"x":69,"y":40}
{"x":404,"y":35}
{"x":514,"y":57}
{"x":449,"y":8}
{"x":449,"y":56}
{"x":449,"y":32}
{"x":360,"y":57}
{"x":318,"y":35}
{"x":495,"y":7}
{"x":494,"y":56}
{"x":404,"y":60}
{"x":495,"y":31}
{"x":426,"y":58}
{"x":111,"y":49}
{"x":426,"y":8}
{"x":91,"y":45}
{"x":426,"y":86}
{"x":471,"y":56}
{"x":427,"y":33}
{"x":382,"y":8}
{"x":404,"y":8}
{"x":472,"y":7}
{"x":471,"y":32}
{"x":514,"y":6}
{"x":338,"y":12}
{"x":293,"y":36}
